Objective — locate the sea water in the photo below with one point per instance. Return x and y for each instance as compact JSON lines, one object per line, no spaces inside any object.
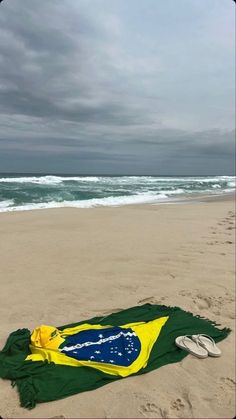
{"x":27,"y":192}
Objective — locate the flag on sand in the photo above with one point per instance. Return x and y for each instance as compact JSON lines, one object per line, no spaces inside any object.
{"x":51,"y":363}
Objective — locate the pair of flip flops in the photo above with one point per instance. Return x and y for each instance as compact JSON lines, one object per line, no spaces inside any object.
{"x":198,"y":345}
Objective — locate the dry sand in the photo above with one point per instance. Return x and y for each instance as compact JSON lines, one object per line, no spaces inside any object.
{"x":64,"y":265}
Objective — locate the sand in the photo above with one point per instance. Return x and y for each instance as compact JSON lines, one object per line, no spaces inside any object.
{"x":65,"y":265}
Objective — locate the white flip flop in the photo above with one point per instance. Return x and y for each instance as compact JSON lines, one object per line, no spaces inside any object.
{"x":208,"y":344}
{"x":189,"y":345}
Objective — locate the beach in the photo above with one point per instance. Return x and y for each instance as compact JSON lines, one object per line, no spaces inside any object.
{"x":59,"y":266}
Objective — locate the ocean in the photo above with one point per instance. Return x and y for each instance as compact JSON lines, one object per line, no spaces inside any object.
{"x":20,"y":192}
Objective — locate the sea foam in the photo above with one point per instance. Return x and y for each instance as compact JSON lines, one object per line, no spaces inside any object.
{"x":90,"y":203}
{"x":22,"y":193}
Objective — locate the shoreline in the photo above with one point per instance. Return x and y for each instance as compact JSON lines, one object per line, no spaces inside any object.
{"x":194,"y":198}
{"x":225,"y":197}
{"x":58,"y":267}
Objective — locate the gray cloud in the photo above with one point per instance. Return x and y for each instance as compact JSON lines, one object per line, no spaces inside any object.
{"x":92,"y":85}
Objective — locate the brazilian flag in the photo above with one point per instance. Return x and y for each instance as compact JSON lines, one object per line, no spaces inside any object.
{"x":55,"y":362}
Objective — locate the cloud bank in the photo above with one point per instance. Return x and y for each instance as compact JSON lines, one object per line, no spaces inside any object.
{"x":95,"y":86}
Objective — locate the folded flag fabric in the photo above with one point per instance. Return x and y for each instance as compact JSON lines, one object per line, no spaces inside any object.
{"x":54,"y":362}
{"x":118,"y":350}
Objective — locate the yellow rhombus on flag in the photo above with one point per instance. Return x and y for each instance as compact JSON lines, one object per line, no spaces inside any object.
{"x":120,"y":350}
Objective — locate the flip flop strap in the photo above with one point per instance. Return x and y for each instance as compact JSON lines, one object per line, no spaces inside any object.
{"x":206,"y":336}
{"x":189,"y":336}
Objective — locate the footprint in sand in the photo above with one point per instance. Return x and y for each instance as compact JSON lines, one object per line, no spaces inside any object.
{"x":225,"y":391}
{"x":177,"y":404}
{"x":185,"y":293}
{"x":177,"y":408}
{"x":215,"y":303}
{"x":182,"y":407}
{"x":151,"y":410}
{"x":201,"y":302}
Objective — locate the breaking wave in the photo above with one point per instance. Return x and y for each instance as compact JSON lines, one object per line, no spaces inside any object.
{"x":21,"y":192}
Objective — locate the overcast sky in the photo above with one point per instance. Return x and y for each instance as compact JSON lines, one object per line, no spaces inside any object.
{"x":117,"y":86}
